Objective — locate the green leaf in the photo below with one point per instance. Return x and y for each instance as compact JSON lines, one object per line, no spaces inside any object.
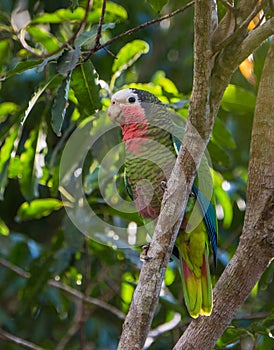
{"x":22,"y":67}
{"x":154,"y":89}
{"x":157,"y":5}
{"x":218,"y":155}
{"x":7,"y":108}
{"x":39,"y":275}
{"x":60,"y":16}
{"x":15,"y":168}
{"x":36,"y":97}
{"x":127,"y":56}
{"x":222,"y":136}
{"x":61,"y":260}
{"x":32,"y":161}
{"x":45,"y":38}
{"x":160,"y":78}
{"x":87,"y":38}
{"x":127,"y":289}
{"x":59,"y":107}
{"x":38,"y":208}
{"x":67,"y":62}
{"x":46,"y":61}
{"x":4,"y":51}
{"x":238,"y":100}
{"x":4,"y":230}
{"x":113,"y":13}
{"x":85,"y":88}
{"x":72,"y":236}
{"x":169,"y":276}
{"x":5,"y":157}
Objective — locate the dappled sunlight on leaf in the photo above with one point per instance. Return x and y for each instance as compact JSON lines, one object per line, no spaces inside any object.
{"x":38,"y":208}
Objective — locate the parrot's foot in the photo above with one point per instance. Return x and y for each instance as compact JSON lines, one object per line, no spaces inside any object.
{"x":163,"y":185}
{"x":143,"y":255}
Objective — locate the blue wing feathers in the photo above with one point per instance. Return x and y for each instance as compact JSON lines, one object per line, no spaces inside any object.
{"x":209,"y":218}
{"x":207,"y":209}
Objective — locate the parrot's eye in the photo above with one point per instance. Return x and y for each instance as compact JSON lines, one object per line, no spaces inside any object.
{"x":131,"y":99}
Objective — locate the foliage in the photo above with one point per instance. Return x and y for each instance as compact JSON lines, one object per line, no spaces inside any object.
{"x":52,"y":84}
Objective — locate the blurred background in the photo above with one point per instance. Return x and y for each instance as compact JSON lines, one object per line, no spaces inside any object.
{"x":59,"y":288}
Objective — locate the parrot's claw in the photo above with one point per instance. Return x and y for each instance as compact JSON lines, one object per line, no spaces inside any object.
{"x":143,"y":255}
{"x":163,"y":185}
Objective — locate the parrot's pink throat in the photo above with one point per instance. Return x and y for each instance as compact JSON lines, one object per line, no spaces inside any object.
{"x":134,"y":128}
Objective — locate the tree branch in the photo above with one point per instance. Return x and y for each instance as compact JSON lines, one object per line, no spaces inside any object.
{"x":255,"y":38}
{"x":228,"y":5}
{"x":74,"y":327}
{"x":221,"y":39}
{"x":228,"y":60}
{"x":14,"y":268}
{"x":163,"y":328}
{"x":18,"y":341}
{"x":99,"y":30}
{"x":256,"y":246}
{"x":242,"y":28}
{"x":71,"y":291}
{"x":86,"y":292}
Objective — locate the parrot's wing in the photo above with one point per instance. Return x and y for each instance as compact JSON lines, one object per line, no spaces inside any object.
{"x":209,"y":215}
{"x":203,"y":190}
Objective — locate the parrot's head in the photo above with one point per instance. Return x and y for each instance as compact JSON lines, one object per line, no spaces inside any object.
{"x":139,"y":114}
{"x":129,"y":106}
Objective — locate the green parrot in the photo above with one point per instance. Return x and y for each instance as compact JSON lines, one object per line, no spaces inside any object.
{"x":150,"y":153}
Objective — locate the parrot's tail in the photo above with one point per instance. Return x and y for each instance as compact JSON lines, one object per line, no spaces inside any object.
{"x":197,"y":289}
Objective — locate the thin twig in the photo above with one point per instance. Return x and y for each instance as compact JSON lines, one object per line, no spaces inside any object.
{"x":258,"y":315}
{"x":86,"y":288}
{"x":88,"y":300}
{"x":99,"y":30}
{"x":94,"y":49}
{"x":18,"y":341}
{"x":229,"y":6}
{"x":161,"y":329}
{"x":14,"y":268}
{"x":69,"y":290}
{"x":73,"y":329}
{"x":242,"y":27}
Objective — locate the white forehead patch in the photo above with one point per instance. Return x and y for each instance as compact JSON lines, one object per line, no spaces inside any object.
{"x":122,"y":96}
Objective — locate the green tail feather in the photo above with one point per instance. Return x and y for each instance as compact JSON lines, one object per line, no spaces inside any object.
{"x":197,"y":289}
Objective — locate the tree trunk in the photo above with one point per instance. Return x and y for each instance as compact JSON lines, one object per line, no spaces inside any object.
{"x":256,"y":248}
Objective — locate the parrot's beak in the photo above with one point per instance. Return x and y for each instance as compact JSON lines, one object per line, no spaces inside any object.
{"x":115,"y":113}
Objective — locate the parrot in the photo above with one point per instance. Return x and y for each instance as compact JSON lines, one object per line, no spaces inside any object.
{"x":150,"y":154}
